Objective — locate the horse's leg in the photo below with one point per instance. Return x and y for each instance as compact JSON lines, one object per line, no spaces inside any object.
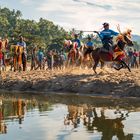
{"x":119,"y":67}
{"x":102,"y":64}
{"x":125,"y":65}
{"x":95,"y":65}
{"x":73,"y":60}
{"x":15,"y":63}
{"x":75,"y":57}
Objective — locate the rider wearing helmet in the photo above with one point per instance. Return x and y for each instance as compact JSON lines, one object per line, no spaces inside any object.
{"x":106,"y":37}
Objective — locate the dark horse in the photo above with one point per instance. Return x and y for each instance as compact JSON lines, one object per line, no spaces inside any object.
{"x":101,"y":56}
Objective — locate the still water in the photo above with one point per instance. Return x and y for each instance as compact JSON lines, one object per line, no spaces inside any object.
{"x":34,"y":119}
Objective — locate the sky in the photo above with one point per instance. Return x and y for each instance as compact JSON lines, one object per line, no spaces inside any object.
{"x":81,"y":14}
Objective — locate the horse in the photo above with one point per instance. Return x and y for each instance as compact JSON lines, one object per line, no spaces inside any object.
{"x":99,"y":55}
{"x":67,"y":46}
{"x":87,"y":56}
{"x":110,"y":126}
{"x":75,"y":55}
{"x":18,"y":57}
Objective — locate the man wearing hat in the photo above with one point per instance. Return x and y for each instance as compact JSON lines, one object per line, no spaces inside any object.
{"x":106,"y":36}
{"x":89,"y":46}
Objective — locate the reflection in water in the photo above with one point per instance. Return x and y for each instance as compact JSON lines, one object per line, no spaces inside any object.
{"x":3,"y":127}
{"x":98,"y":122}
{"x":107,"y":124}
{"x":15,"y":110}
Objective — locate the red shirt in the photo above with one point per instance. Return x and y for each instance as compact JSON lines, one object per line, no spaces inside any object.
{"x":0,"y":44}
{"x":135,"y":54}
{"x":1,"y":55}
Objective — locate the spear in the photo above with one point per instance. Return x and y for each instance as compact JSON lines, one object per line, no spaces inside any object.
{"x":85,"y":31}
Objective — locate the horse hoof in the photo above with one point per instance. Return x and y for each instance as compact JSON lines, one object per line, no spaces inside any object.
{"x":95,"y":71}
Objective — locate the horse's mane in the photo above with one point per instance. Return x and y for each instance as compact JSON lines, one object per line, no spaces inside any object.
{"x":125,"y":33}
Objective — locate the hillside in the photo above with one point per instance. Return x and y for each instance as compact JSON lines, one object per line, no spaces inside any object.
{"x":136,"y":38}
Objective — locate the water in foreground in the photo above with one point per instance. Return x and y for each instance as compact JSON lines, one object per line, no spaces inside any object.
{"x":23,"y":118}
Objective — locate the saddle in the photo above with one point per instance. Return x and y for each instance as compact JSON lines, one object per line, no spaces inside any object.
{"x":103,"y":50}
{"x":111,"y":53}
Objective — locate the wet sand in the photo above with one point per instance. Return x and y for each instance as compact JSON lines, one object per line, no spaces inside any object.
{"x":76,"y":81}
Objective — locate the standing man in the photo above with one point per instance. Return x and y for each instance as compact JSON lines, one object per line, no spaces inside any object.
{"x":40,"y":56}
{"x":130,"y":57}
{"x":21,"y":43}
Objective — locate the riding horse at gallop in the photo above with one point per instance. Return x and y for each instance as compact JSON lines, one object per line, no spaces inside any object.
{"x":118,"y":54}
{"x":73,"y":54}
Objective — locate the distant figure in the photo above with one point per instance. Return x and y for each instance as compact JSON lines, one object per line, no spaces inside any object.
{"x":0,"y":43}
{"x":49,"y":59}
{"x":130,"y":57}
{"x":33,"y":58}
{"x":135,"y":59}
{"x":89,"y":46}
{"x":40,"y":56}
{"x":22,"y":44}
{"x":2,"y":62}
{"x":77,"y":40}
{"x":6,"y":41}
{"x":139,"y":57}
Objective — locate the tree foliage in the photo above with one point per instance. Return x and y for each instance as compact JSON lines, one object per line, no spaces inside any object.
{"x":42,"y":33}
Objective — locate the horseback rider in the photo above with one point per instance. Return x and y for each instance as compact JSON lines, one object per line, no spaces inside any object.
{"x":89,"y":46}
{"x":77,"y":40}
{"x":106,"y":36}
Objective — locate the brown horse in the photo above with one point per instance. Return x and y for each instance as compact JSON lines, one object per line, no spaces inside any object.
{"x":17,"y":52}
{"x":101,"y":56}
{"x":74,"y":54}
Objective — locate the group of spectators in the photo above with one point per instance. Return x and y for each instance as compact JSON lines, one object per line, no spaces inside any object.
{"x":133,"y":58}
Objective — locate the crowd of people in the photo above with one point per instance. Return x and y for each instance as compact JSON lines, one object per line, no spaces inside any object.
{"x":39,"y":57}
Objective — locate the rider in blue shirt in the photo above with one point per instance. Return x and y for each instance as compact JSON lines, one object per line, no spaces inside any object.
{"x":90,"y":46}
{"x":106,"y":36}
{"x":77,"y":40}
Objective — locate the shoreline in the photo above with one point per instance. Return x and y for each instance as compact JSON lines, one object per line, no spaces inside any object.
{"x":75,"y":99}
{"x":108,"y":83}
